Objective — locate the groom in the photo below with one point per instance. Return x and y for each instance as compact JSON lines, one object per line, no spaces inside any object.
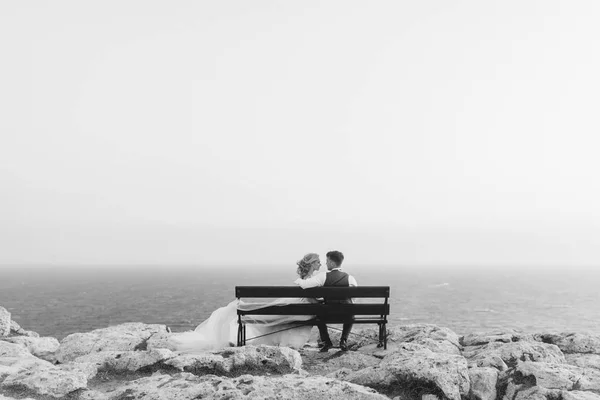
{"x":333,"y":277}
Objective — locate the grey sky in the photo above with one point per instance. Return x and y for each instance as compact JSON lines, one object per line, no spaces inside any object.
{"x":429,"y":132}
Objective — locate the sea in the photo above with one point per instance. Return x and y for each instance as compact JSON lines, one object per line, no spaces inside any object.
{"x":57,"y":301}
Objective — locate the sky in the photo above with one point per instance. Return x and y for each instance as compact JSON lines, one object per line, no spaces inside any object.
{"x":233,"y":132}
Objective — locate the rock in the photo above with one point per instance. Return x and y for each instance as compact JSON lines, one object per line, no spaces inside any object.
{"x":353,"y":361}
{"x":433,"y":337}
{"x":11,"y":398}
{"x":557,"y":376}
{"x":510,"y":353}
{"x":125,"y":337}
{"x":341,"y":374}
{"x":358,"y":338}
{"x":483,"y":383}
{"x":549,"y":376}
{"x":579,"y":395}
{"x":444,"y":373}
{"x":8,"y":349}
{"x":572,"y":342}
{"x":42,"y":347}
{"x":120,"y":361}
{"x":200,"y":364}
{"x":236,"y":360}
{"x":320,"y":364}
{"x":6,"y":370}
{"x":491,"y":361}
{"x":15,"y":329}
{"x":92,"y":395}
{"x":589,"y":380}
{"x":46,"y":380}
{"x":185,"y":386}
{"x":503,"y":336}
{"x":88,"y":369}
{"x":4,"y":322}
{"x":29,"y":362}
{"x":583,"y":360}
{"x":160,"y":340}
{"x":537,"y":393}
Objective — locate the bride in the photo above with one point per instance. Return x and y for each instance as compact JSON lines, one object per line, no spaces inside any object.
{"x":220,"y":329}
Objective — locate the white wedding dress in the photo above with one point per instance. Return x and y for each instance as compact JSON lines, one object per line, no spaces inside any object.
{"x":220,"y":329}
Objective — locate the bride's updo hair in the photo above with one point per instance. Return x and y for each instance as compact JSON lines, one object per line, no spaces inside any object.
{"x":306,"y":263}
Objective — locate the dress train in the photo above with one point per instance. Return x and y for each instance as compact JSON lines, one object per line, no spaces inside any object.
{"x":220,"y":329}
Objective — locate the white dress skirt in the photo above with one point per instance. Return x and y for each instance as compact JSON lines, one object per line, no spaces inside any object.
{"x":220,"y":329}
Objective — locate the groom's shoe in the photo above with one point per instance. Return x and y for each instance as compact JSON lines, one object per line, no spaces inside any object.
{"x":343,"y":345}
{"x":326,"y":347}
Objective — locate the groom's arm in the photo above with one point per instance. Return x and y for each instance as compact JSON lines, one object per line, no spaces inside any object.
{"x":315,"y":281}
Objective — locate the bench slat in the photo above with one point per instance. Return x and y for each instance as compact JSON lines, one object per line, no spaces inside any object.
{"x":296,"y":291}
{"x":321,"y":309}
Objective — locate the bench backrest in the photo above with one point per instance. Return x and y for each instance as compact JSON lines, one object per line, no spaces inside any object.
{"x":331,"y":293}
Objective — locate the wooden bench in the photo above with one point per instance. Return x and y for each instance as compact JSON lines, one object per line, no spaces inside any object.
{"x":332,"y":313}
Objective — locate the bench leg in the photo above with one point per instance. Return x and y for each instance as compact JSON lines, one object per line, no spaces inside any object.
{"x":382,"y":336}
{"x":239,"y":332}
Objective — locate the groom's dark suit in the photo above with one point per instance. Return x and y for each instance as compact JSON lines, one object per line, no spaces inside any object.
{"x":334,"y":277}
{"x":337,"y":278}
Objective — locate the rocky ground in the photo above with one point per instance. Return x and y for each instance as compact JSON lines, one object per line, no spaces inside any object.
{"x":133,"y":361}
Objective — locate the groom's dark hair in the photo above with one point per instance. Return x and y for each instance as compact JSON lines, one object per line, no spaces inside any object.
{"x":336,"y":256}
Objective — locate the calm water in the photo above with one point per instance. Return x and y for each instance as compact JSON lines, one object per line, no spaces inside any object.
{"x":59,"y":301}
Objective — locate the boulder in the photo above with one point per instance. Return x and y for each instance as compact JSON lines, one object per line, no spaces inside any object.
{"x":352,"y":360}
{"x":240,"y":360}
{"x":29,"y":362}
{"x":4,"y":322}
{"x":90,"y":370}
{"x":483,"y":383}
{"x":46,"y":380}
{"x":557,"y":376}
{"x":537,"y":393}
{"x":160,"y":340}
{"x":437,"y":339}
{"x":186,"y":386}
{"x":15,"y":329}
{"x":579,"y":395}
{"x":503,"y":336}
{"x":5,"y":371}
{"x":42,"y":347}
{"x":325,"y":363}
{"x":584,"y":360}
{"x":92,"y":395}
{"x":8,"y":349}
{"x":510,"y":353}
{"x":572,"y":342}
{"x":589,"y":380}
{"x":2,"y":397}
{"x":359,"y":337}
{"x":121,"y":361}
{"x":124,"y":337}
{"x":418,"y":367}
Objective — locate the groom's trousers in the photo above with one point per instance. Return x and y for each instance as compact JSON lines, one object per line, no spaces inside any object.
{"x":325,"y":335}
{"x":347,"y":327}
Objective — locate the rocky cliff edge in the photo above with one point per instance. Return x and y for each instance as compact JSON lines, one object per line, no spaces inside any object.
{"x":426,"y":362}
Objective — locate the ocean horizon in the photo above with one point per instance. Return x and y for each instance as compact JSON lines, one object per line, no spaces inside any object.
{"x":57,"y":301}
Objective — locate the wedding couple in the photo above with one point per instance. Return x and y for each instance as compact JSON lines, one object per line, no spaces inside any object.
{"x":220,"y":329}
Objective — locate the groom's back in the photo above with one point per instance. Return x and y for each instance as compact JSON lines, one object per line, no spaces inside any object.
{"x":339,"y":279}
